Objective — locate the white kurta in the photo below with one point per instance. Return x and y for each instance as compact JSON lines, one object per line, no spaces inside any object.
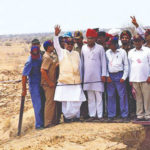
{"x":93,"y":67}
{"x":65,"y":92}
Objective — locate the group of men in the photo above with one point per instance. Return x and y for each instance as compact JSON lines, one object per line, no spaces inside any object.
{"x":90,"y":79}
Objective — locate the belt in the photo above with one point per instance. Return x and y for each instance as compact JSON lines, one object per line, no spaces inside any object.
{"x":116,"y":72}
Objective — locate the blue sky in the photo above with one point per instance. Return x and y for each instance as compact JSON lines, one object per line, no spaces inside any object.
{"x":34,"y":16}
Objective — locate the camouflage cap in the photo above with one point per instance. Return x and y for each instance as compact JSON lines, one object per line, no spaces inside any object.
{"x":78,"y":34}
{"x":35,"y":41}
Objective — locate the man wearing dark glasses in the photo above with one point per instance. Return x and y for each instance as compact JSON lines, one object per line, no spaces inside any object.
{"x":68,"y":89}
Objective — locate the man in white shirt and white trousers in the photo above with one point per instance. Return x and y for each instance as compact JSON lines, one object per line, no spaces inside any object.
{"x":68,"y":89}
{"x":139,"y":77}
{"x":93,"y":74}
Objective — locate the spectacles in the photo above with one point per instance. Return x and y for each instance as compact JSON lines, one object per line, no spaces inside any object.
{"x":137,"y":40}
{"x":70,"y":43}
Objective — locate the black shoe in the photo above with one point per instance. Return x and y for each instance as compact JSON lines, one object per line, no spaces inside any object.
{"x":67,"y":120}
{"x":140,"y":119}
{"x":50,"y":125}
{"x":148,"y":119}
{"x":76,"y":119}
{"x":39,"y":128}
{"x":110,"y":119}
{"x":125,"y":120}
{"x":101,"y":119}
{"x":90,"y":119}
{"x":70,"y":120}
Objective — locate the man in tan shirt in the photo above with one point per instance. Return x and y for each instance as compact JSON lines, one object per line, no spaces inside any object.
{"x":48,"y":80}
{"x":78,"y":39}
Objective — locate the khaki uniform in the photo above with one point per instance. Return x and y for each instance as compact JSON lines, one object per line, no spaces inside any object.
{"x":51,"y":115}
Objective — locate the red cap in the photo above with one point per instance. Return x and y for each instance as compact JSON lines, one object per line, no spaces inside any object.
{"x":91,"y":33}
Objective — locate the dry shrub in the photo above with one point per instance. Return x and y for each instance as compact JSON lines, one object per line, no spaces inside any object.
{"x":7,"y":125}
{"x":7,"y":44}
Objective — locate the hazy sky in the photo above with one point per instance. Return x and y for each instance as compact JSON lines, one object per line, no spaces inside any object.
{"x":34,"y":16}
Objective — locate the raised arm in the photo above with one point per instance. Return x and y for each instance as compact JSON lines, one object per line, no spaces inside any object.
{"x":56,"y":41}
{"x":139,"y":29}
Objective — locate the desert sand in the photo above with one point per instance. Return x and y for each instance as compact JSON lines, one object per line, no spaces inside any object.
{"x":73,"y":136}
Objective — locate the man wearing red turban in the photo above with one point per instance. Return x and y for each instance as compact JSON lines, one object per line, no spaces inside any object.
{"x":93,"y":70}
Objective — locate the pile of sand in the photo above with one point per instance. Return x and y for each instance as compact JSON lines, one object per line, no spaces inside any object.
{"x":73,"y":136}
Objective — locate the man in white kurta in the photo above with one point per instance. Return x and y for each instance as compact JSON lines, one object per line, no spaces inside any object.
{"x":93,"y":73}
{"x":68,"y":89}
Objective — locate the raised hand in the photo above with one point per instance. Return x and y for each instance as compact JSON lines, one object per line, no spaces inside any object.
{"x":134,"y":21}
{"x":57,"y":30}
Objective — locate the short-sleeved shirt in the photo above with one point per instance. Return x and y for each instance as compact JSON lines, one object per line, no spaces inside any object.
{"x":32,"y":70}
{"x":49,"y":62}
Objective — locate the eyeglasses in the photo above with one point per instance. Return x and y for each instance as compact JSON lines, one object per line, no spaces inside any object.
{"x":70,"y":43}
{"x":137,"y":40}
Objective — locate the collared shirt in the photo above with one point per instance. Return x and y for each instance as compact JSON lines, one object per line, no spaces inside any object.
{"x":49,"y":64}
{"x":32,"y":70}
{"x":139,"y":61}
{"x":117,"y":61}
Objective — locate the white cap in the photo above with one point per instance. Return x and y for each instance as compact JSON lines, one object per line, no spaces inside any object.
{"x":114,"y":32}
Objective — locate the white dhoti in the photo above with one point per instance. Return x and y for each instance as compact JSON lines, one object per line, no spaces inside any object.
{"x":71,"y":109}
{"x":71,"y":97}
{"x":95,"y":103}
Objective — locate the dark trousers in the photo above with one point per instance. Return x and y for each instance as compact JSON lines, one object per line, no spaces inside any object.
{"x":121,"y":90}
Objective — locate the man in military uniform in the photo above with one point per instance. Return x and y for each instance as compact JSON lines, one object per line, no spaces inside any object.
{"x":78,"y":38}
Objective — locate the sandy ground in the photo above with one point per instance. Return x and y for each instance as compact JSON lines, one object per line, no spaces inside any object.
{"x":74,"y":136}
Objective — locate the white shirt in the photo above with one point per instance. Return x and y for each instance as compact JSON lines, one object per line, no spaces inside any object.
{"x":117,"y":61}
{"x":139,"y":62}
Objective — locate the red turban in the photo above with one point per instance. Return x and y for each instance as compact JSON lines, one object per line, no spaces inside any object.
{"x":91,"y":33}
{"x":109,"y":35}
{"x":147,"y":32}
